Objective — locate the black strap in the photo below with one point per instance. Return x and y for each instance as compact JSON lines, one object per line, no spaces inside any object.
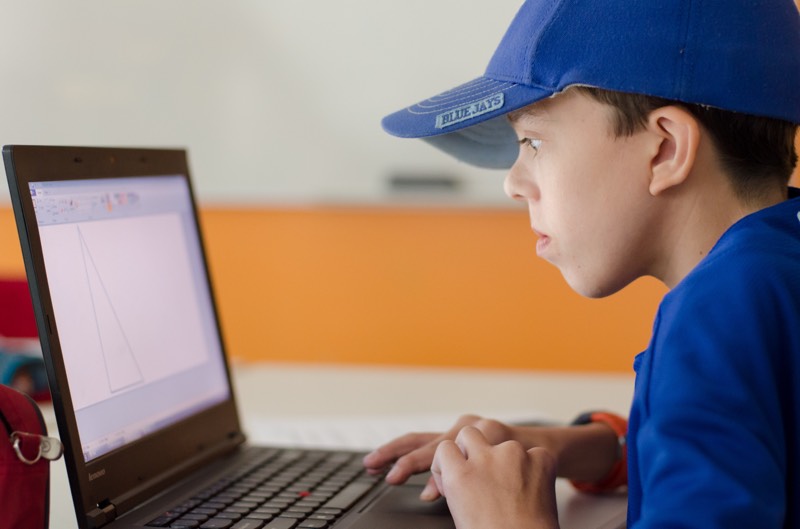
{"x":3,"y":419}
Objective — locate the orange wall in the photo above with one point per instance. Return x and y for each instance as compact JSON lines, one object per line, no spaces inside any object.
{"x":420,"y":287}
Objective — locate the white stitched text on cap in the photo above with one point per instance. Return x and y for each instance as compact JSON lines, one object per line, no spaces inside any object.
{"x":470,"y":111}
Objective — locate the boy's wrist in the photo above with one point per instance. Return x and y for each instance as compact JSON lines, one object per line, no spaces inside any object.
{"x":617,"y":475}
{"x":582,"y":453}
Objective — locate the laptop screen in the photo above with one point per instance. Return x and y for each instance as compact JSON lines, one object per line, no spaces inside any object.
{"x":131,"y":303}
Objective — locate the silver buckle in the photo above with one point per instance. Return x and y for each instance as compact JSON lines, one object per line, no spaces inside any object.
{"x":50,"y":448}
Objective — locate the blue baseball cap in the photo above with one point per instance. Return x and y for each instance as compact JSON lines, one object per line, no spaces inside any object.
{"x":737,"y":55}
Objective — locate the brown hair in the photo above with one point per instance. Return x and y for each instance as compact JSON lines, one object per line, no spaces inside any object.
{"x":758,"y":153}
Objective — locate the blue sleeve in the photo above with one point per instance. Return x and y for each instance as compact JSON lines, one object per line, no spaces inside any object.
{"x":713,"y":449}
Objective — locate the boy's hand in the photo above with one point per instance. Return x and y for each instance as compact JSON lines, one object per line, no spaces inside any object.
{"x":585,"y":453}
{"x":488,"y":485}
{"x":413,"y":453}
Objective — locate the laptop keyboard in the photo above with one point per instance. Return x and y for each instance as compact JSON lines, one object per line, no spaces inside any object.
{"x":276,"y":489}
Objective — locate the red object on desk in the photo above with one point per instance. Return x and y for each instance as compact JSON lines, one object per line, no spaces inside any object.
{"x":16,"y":310}
{"x":24,"y":476}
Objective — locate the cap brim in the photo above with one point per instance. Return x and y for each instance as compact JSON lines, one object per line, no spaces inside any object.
{"x":468,"y":121}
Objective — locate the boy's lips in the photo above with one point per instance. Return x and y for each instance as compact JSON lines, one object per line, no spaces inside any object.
{"x":543,"y":241}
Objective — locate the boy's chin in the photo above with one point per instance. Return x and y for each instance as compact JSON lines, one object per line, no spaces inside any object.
{"x":591,"y":286}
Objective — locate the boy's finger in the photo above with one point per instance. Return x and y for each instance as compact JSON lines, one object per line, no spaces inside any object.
{"x":470,"y":439}
{"x":431,"y":490}
{"x":385,"y":454}
{"x":447,"y":456}
{"x":413,"y":463}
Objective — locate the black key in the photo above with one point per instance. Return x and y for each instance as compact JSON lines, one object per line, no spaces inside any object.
{"x":267,"y":489}
{"x":185,"y":524}
{"x":257,"y":497}
{"x":276,"y":504}
{"x":176,"y":511}
{"x":225,"y":498}
{"x":296,"y":515}
{"x":336,"y":480}
{"x":327,"y":517}
{"x":348,"y":495}
{"x":217,"y":523}
{"x":196,"y":517}
{"x":260,"y":516}
{"x":249,"y":523}
{"x":328,"y":488}
{"x":313,"y":524}
{"x":161,"y":521}
{"x":308,"y":502}
{"x":328,"y":510}
{"x":281,"y":523}
{"x":287,"y":496}
{"x":229,"y":515}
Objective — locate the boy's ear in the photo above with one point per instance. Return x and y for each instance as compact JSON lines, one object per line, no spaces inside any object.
{"x":677,"y":134}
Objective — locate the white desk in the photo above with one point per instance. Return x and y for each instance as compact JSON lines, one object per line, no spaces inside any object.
{"x":360,"y":407}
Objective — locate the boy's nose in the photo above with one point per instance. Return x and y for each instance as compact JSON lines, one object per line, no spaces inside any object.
{"x":507,"y":187}
{"x":513,"y":185}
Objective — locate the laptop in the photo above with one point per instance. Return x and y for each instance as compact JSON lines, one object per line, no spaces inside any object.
{"x":137,"y":368}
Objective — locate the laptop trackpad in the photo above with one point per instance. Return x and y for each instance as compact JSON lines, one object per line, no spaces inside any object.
{"x":401,"y":508}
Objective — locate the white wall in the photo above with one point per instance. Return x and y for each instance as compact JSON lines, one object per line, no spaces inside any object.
{"x":277,"y":101}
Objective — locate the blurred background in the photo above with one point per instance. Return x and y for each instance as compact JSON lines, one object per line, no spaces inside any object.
{"x":329,"y":241}
{"x":277,"y":102}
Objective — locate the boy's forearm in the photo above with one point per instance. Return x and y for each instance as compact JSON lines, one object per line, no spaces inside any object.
{"x":583,"y":453}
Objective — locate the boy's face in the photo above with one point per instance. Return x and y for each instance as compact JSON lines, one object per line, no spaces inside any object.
{"x":587,"y":192}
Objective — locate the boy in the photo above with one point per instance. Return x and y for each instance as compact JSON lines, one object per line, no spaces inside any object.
{"x":647,"y":138}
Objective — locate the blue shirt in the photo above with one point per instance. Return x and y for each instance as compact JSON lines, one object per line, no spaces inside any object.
{"x":714,"y":429}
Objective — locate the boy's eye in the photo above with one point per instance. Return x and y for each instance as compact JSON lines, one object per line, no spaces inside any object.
{"x":532,"y":143}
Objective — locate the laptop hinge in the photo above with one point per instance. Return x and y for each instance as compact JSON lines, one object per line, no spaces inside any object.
{"x":105,"y":513}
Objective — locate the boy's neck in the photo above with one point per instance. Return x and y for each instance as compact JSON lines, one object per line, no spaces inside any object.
{"x":700,"y":212}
